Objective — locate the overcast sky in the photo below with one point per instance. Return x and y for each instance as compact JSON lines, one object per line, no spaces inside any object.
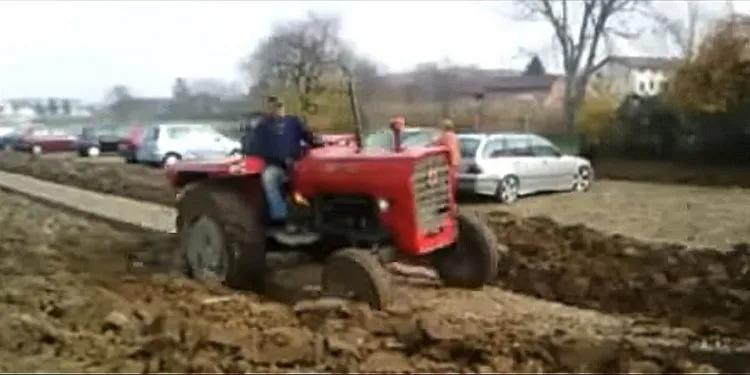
{"x":80,"y":48}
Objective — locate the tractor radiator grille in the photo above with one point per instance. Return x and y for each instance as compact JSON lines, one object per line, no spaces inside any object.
{"x":431,"y":192}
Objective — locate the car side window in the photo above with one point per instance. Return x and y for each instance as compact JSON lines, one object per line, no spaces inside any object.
{"x":542,"y":147}
{"x":179,"y":132}
{"x":519,"y":146}
{"x":153,"y":133}
{"x":494,"y":149}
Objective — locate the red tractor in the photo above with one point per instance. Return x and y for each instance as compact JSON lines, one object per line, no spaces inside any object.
{"x":361,"y":209}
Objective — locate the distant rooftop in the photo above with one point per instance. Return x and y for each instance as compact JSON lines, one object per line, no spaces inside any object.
{"x":643,"y":62}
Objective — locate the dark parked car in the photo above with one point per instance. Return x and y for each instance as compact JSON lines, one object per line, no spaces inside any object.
{"x":95,"y":140}
{"x":39,"y":140}
{"x":129,"y":145}
{"x":9,"y":141}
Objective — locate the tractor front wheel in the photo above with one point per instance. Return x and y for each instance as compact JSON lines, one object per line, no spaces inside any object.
{"x":221,"y":237}
{"x":473,"y":260}
{"x":358,"y":275}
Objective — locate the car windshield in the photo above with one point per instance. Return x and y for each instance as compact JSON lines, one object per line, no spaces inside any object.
{"x":468,"y":146}
{"x":122,"y":131}
{"x":176,"y":132}
{"x":39,"y":132}
{"x":383,"y":139}
{"x":89,"y":132}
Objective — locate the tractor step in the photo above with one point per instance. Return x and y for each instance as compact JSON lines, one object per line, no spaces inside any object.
{"x":293,"y":239}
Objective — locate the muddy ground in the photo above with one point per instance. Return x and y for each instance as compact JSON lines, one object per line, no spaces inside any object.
{"x":699,"y":216}
{"x":673,"y":172}
{"x":80,"y":295}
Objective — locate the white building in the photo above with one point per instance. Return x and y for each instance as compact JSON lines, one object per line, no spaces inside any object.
{"x":643,"y":76}
{"x":32,"y":108}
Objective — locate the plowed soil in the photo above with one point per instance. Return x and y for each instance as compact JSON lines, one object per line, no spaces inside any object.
{"x":688,"y":173}
{"x":705,"y":289}
{"x":655,"y":286}
{"x":79,"y":295}
{"x":699,"y":216}
{"x":134,"y":181}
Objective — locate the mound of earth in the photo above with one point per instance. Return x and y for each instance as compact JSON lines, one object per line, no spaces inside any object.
{"x":134,"y":181}
{"x":706,"y":289}
{"x":73,"y":300}
{"x":666,"y":172}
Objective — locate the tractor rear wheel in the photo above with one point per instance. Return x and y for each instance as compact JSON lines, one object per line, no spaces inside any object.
{"x":473,"y":260}
{"x":358,"y":275}
{"x":222,"y":238}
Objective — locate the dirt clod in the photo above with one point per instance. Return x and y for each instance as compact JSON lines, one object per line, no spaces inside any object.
{"x":583,"y":267}
{"x":72,"y":300}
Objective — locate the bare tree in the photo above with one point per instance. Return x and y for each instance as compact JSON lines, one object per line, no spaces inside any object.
{"x":445,"y":86}
{"x":436,"y":82}
{"x":214,"y":87}
{"x":681,"y":30}
{"x":181,"y":104}
{"x":118,"y":102}
{"x":297,"y":55}
{"x":117,"y":93}
{"x":581,"y":30}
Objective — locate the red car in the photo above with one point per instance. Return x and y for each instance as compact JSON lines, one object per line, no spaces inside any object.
{"x":41,"y":140}
{"x":130,"y":144}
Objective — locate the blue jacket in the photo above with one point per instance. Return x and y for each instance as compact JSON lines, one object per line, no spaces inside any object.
{"x":277,"y":139}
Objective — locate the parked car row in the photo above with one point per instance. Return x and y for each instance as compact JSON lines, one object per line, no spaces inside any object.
{"x":504,"y":166}
{"x":37,"y":140}
{"x":501,"y":165}
{"x":156,"y":144}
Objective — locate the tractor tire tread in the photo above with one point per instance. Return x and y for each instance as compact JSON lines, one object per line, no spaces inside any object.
{"x":350,"y":264}
{"x":243,"y":231}
{"x":487,"y":255}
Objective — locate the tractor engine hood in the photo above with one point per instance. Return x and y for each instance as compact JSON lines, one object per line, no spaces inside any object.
{"x":412,"y":189}
{"x":377,"y":173}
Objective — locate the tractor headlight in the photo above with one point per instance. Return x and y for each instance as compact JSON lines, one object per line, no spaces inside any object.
{"x":383,"y":205}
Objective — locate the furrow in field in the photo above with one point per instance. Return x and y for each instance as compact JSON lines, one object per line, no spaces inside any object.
{"x":74,"y":300}
{"x":707,"y":290}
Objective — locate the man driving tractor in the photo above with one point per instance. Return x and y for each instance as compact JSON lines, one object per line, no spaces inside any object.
{"x":278,"y":140}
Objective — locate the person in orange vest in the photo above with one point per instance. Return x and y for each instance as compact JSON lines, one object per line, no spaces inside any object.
{"x":397,"y":123}
{"x":449,"y":139}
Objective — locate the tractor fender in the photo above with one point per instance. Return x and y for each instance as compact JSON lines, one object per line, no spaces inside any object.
{"x":186,"y":172}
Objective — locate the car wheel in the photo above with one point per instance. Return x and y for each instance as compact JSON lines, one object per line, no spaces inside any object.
{"x":36,"y":150}
{"x":170,"y":159}
{"x":93,"y":151}
{"x":583,"y":179}
{"x":507,"y":190}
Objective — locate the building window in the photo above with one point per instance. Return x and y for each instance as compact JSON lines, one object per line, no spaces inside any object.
{"x":641,"y":87}
{"x":651,"y":85}
{"x":664,"y":86}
